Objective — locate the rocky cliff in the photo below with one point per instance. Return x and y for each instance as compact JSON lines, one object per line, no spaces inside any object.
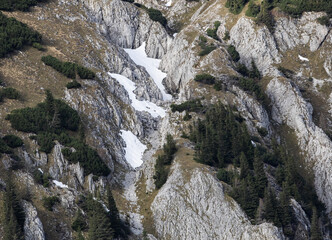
{"x":193,"y":203}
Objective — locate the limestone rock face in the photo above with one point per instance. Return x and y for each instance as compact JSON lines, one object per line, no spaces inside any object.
{"x":196,"y":207}
{"x":290,"y":33}
{"x":255,"y":44}
{"x":33,"y":227}
{"x":289,"y":107}
{"x":178,"y":63}
{"x":128,"y":27}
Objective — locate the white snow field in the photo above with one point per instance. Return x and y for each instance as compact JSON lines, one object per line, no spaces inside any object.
{"x":134,"y":148}
{"x":60,"y":184}
{"x":151,"y":65}
{"x":130,"y":86}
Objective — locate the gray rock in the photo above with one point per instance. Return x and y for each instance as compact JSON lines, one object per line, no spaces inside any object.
{"x":196,"y":207}
{"x":290,"y":32}
{"x":290,"y":108}
{"x":33,"y":227}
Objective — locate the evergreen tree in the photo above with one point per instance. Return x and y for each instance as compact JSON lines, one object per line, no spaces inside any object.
{"x":50,"y":105}
{"x":244,"y":166}
{"x":315,"y":231}
{"x":286,"y":214}
{"x":13,"y":213}
{"x":169,"y":149}
{"x":114,"y":216}
{"x":269,"y":204}
{"x":260,"y":177}
{"x":99,"y":223}
{"x":79,"y":222}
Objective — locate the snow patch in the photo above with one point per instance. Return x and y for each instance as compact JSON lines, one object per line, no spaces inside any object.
{"x":169,"y":3}
{"x":130,"y":86}
{"x":60,"y":184}
{"x":39,"y":169}
{"x":303,"y":58}
{"x":253,"y":143}
{"x":134,"y":148}
{"x":151,"y":65}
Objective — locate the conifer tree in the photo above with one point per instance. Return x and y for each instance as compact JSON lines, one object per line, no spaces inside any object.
{"x":315,"y":231}
{"x":260,"y":177}
{"x":114,"y":215}
{"x":13,"y":213}
{"x":269,"y":204}
{"x":286,"y":214}
{"x":169,"y":149}
{"x":99,"y":223}
{"x":244,"y":166}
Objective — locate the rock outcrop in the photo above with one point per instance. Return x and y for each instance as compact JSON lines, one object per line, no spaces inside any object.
{"x":33,"y":227}
{"x":289,"y":107}
{"x":196,"y":207}
{"x":128,"y":27}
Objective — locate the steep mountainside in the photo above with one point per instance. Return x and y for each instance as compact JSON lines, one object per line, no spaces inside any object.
{"x":200,"y":123}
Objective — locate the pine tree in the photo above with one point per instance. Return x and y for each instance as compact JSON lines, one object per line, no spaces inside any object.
{"x":99,"y":223}
{"x":169,"y":149}
{"x":260,"y":177}
{"x":244,"y":166}
{"x":13,"y":213}
{"x":114,"y":214}
{"x":315,"y":231}
{"x":284,"y":205}
{"x":79,"y":222}
{"x":49,"y":101}
{"x":269,"y":204}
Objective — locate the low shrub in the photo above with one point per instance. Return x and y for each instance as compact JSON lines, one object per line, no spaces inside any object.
{"x":157,"y":16}
{"x":69,"y":69}
{"x":205,"y":47}
{"x":213,"y":32}
{"x":191,"y":106}
{"x":73,"y":84}
{"x":253,"y":9}
{"x":10,"y":93}
{"x":205,"y":78}
{"x":38,"y":46}
{"x":49,"y":202}
{"x":325,"y":20}
{"x":262,"y":131}
{"x":233,"y":53}
{"x":13,"y":141}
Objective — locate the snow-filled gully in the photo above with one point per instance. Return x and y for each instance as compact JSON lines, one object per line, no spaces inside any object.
{"x":134,"y":148}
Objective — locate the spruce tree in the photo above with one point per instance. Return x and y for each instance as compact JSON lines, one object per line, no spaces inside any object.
{"x":269,"y":204}
{"x":49,"y":101}
{"x":114,"y":214}
{"x":244,"y":166}
{"x":99,"y":223}
{"x":315,"y":231}
{"x":260,"y":177}
{"x":284,"y":204}
{"x":169,"y":149}
{"x":13,"y":213}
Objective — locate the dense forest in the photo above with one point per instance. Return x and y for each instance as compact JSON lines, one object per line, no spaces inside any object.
{"x":223,"y":141}
{"x":14,"y":35}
